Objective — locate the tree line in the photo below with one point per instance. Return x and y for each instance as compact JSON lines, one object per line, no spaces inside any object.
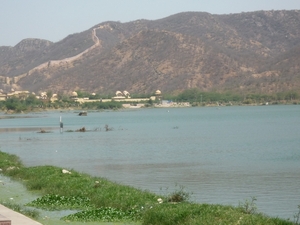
{"x":194,"y":96}
{"x":199,"y":97}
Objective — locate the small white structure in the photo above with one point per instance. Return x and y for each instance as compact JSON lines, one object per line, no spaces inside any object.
{"x":126,"y":94}
{"x":43,"y":95}
{"x":158,"y":92}
{"x":74,"y":94}
{"x":121,"y":95}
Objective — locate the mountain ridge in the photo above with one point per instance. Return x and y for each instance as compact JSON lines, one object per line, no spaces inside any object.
{"x":246,"y":52}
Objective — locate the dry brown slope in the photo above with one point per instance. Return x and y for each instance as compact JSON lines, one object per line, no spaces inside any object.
{"x":151,"y":60}
{"x":210,"y":52}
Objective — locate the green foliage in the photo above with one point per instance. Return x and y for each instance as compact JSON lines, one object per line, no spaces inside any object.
{"x":297,"y":217}
{"x":189,"y":95}
{"x":194,"y":214}
{"x":102,"y":105}
{"x":96,"y":96}
{"x":82,"y":94}
{"x":19,"y":105}
{"x":9,"y":161}
{"x":104,"y":214}
{"x":57,"y":202}
{"x":179,"y":195}
{"x":140,"y":95}
{"x":249,"y":206}
{"x":100,"y":192}
{"x":49,"y":94}
{"x":195,"y":95}
{"x":32,"y":100}
{"x":15,"y":104}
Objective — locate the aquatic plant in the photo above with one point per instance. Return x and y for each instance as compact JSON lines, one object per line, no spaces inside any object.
{"x":104,"y":214}
{"x":107,"y":128}
{"x":57,"y":202}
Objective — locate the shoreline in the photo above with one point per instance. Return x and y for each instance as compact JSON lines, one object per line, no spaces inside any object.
{"x":12,"y":114}
{"x":295,"y":109}
{"x":15,"y":192}
{"x":18,"y":178}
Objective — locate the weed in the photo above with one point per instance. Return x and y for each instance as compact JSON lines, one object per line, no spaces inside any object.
{"x":297,"y":216}
{"x":249,"y":206}
{"x":107,"y":128}
{"x":9,"y":162}
{"x":195,"y":214}
{"x":179,"y":195}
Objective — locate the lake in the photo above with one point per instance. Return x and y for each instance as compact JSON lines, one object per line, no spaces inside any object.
{"x":221,"y":155}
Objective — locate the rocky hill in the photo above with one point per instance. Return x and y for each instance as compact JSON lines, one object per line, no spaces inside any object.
{"x":254,"y":52}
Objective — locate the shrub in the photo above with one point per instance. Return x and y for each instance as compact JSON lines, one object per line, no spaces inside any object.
{"x":179,"y":195}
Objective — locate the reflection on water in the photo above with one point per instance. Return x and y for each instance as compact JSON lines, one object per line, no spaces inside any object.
{"x":221,"y":156}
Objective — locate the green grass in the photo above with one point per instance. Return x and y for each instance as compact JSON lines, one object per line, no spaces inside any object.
{"x":98,"y":199}
{"x":8,"y":161}
{"x":189,"y":214}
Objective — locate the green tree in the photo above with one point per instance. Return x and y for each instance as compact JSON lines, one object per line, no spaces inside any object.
{"x":49,"y":94}
{"x":15,"y":104}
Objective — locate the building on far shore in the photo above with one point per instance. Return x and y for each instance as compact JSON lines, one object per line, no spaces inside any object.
{"x":120,"y":97}
{"x":13,"y":93}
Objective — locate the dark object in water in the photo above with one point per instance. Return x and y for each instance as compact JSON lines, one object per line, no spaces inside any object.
{"x":42,"y":131}
{"x":83,"y":113}
{"x":81,"y":129}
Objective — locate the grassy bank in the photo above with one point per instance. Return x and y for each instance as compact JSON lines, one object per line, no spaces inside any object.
{"x":100,"y":200}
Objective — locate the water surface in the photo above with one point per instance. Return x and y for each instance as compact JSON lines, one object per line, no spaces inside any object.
{"x":222,"y":155}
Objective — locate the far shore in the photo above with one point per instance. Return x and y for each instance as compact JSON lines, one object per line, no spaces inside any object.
{"x":168,"y":104}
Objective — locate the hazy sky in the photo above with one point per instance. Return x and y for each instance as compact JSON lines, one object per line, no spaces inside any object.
{"x":53,"y":20}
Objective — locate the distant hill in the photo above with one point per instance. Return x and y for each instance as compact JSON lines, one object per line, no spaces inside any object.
{"x":255,"y":52}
